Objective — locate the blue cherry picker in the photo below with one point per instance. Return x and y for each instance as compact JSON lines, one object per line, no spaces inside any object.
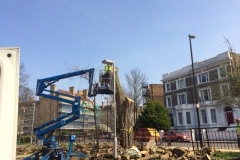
{"x":45,"y":132}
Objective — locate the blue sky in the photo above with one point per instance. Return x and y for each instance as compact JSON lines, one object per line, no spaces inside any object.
{"x":151,"y":35}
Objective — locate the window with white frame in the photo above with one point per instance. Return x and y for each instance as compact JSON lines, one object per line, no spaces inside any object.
{"x":168,"y":87}
{"x":180,"y":118}
{"x":188,"y":117}
{"x":205,"y":95}
{"x":203,"y":77}
{"x":181,"y":84}
{"x":222,"y":72}
{"x":224,"y":90}
{"x":182,"y":99}
{"x":169,"y":101}
{"x":213,"y":115}
{"x":204,"y":116}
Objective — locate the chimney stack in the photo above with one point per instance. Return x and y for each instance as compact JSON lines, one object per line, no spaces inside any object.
{"x":52,"y":88}
{"x":103,"y":104}
{"x":80,"y":92}
{"x":32,"y":99}
{"x":85,"y":94}
{"x":72,"y":90}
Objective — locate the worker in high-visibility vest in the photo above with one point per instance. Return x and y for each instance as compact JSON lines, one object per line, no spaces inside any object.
{"x":238,"y":131}
{"x":107,"y":70}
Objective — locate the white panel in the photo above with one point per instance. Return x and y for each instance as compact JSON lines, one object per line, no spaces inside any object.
{"x":9,"y":86}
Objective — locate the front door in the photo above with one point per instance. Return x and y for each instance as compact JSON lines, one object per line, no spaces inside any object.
{"x":229,"y":114}
{"x":171,"y":119}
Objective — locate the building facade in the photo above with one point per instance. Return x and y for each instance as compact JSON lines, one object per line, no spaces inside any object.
{"x":48,"y":109}
{"x":211,"y":82}
{"x":34,"y":113}
{"x":152,"y":92}
{"x":26,"y":116}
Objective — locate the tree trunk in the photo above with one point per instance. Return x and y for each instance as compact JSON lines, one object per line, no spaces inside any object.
{"x":125,"y":112}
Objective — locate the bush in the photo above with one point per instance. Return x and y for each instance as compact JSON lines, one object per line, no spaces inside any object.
{"x":154,"y":115}
{"x":25,"y":139}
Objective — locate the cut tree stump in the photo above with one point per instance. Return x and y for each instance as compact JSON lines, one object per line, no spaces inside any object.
{"x":150,"y":157}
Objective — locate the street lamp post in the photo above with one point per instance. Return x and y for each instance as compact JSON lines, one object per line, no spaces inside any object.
{"x":83,"y":129}
{"x":114,"y":111}
{"x":83,"y":121}
{"x":107,"y":113}
{"x":83,"y":114}
{"x":195,"y":92}
{"x":34,"y":105}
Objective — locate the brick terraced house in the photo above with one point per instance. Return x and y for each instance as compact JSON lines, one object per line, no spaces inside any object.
{"x":211,"y":79}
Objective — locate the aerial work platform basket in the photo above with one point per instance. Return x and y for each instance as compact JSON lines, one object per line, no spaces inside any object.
{"x":106,"y":82}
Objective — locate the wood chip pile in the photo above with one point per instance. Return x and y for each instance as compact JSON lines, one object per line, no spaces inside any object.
{"x":148,"y":152}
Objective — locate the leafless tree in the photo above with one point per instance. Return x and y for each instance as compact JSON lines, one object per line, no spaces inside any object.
{"x":233,"y":74}
{"x":134,"y":81}
{"x":231,"y":94}
{"x":24,"y":91}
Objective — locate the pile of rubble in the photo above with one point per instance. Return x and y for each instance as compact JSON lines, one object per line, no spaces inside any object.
{"x":149,"y":151}
{"x":26,"y":150}
{"x":152,"y":151}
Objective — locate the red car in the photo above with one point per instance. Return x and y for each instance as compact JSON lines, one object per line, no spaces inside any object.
{"x":175,"y":136}
{"x":102,"y":136}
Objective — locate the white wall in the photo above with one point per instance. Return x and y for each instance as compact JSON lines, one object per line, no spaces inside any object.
{"x":9,"y":84}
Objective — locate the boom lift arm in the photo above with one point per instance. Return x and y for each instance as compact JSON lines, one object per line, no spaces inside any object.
{"x":49,"y":127}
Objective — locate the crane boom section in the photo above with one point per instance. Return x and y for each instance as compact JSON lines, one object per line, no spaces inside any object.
{"x":42,"y":84}
{"x":58,"y":122}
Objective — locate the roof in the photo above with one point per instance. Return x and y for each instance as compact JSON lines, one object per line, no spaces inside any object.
{"x":69,"y":93}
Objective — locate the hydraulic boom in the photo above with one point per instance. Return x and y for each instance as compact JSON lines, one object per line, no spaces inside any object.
{"x":50,"y":148}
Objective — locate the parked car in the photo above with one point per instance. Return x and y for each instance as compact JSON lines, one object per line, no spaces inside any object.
{"x":106,"y":136}
{"x":102,"y":136}
{"x":175,"y":136}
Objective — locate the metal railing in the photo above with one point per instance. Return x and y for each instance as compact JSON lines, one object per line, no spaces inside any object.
{"x":213,"y":137}
{"x":219,"y":138}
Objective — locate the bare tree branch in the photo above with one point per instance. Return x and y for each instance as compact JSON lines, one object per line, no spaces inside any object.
{"x":24,"y":91}
{"x":134,"y":81}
